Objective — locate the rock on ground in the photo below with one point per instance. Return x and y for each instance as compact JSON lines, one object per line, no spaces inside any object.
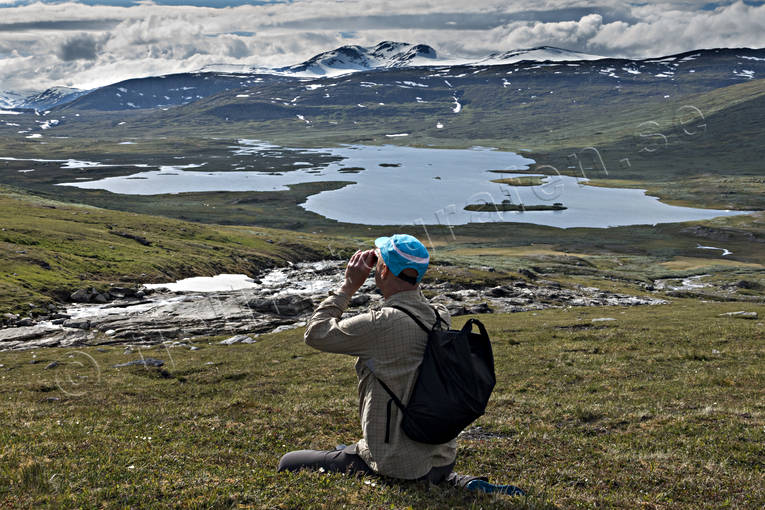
{"x":238,"y":339}
{"x":740,"y":315}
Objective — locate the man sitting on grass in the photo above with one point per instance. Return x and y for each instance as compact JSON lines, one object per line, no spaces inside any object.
{"x":392,"y":345}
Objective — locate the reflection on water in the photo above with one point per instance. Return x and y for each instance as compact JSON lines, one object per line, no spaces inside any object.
{"x":405,"y":185}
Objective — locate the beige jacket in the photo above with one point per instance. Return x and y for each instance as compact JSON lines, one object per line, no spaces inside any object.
{"x":392,"y":344}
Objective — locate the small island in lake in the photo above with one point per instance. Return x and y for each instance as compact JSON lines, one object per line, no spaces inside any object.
{"x":530,"y":180}
{"x":506,"y":205}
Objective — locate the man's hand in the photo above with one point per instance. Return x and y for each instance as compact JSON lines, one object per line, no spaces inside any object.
{"x":358,"y":270}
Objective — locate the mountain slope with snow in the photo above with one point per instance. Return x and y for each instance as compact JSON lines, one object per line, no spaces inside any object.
{"x":165,"y":91}
{"x":540,"y":54}
{"x":385,"y":63}
{"x":52,"y":97}
{"x":445,"y":94}
{"x":390,"y":54}
{"x":10,"y":99}
{"x":387,"y":54}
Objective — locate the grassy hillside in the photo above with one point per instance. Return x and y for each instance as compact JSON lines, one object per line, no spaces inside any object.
{"x":641,"y":411}
{"x":50,"y":248}
{"x":703,"y":150}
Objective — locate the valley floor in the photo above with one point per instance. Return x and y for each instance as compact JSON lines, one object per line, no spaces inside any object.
{"x":609,"y":407}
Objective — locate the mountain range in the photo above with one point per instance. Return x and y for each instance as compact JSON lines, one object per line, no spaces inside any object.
{"x":216,"y":78}
{"x":280,"y":92}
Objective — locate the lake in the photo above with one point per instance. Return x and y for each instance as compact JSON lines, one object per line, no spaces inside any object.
{"x":406,"y":185}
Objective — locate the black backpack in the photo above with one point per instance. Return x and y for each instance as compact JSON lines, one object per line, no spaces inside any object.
{"x":454,"y":384}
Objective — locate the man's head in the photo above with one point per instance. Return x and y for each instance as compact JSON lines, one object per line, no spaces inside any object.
{"x":404,"y":258}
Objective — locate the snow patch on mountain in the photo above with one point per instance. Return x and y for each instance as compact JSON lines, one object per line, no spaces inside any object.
{"x":744,"y":73}
{"x":457,"y":105}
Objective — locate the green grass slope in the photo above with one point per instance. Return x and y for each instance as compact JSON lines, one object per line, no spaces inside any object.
{"x":50,"y":248}
{"x":660,"y":408}
{"x":704,"y":150}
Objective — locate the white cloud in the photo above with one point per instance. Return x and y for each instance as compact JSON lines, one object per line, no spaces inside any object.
{"x":567,"y":34}
{"x":73,"y":44}
{"x":735,"y":25}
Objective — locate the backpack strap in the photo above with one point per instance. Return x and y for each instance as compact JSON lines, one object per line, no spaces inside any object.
{"x":418,"y":321}
{"x":393,"y":400}
{"x":393,"y":396}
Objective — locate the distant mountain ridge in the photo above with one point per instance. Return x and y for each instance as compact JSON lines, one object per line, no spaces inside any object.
{"x":52,"y":97}
{"x":387,"y":54}
{"x":538,"y":54}
{"x":44,"y":100}
{"x":165,"y":91}
{"x":384,"y":59}
{"x":342,"y":60}
{"x":390,"y":54}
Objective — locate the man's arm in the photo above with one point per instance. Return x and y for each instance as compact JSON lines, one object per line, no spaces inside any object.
{"x":325,"y":330}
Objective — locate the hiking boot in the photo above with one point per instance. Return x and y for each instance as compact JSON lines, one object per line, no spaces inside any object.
{"x":479,"y":485}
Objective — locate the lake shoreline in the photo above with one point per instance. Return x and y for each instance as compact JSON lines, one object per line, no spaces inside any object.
{"x":387,"y":180}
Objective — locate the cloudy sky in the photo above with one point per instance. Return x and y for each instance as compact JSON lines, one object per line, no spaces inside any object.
{"x":89,"y":43}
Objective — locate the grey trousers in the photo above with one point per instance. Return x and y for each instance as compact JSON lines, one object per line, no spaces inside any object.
{"x":346,"y":460}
